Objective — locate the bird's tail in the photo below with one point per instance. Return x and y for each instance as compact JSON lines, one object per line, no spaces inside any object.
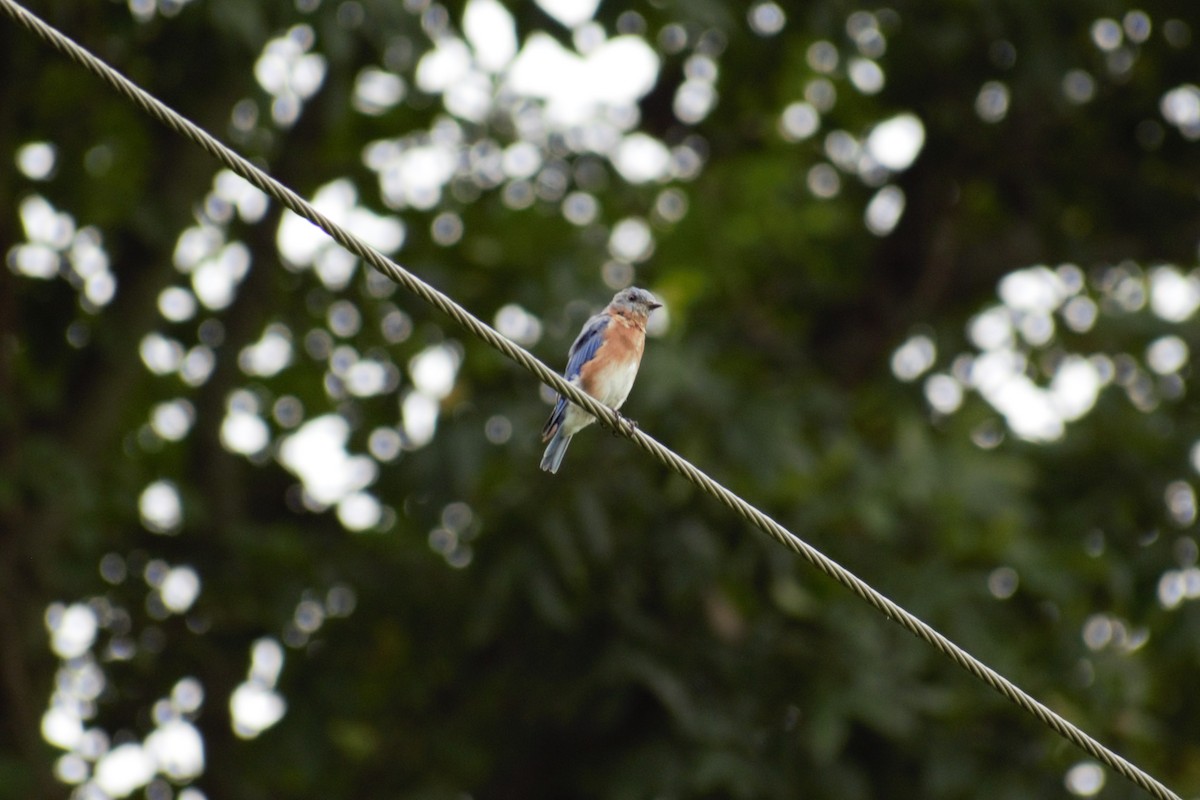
{"x":555,"y":451}
{"x":557,"y":417}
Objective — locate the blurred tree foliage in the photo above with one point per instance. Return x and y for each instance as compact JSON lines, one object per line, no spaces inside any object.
{"x":606,"y":632}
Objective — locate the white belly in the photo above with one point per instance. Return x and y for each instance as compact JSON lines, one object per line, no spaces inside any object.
{"x":612,"y":387}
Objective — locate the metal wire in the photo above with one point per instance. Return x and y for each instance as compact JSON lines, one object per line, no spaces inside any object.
{"x":605,"y":415}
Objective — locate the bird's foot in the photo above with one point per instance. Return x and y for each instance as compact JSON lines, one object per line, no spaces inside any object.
{"x":625,"y":425}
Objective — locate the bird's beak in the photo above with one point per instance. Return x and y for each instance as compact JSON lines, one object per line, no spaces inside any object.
{"x":653,"y":305}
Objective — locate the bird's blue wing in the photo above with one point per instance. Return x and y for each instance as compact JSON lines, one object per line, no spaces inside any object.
{"x":581,"y":352}
{"x":586,"y":344}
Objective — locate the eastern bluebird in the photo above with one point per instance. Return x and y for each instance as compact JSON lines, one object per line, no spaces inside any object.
{"x":603,"y":362}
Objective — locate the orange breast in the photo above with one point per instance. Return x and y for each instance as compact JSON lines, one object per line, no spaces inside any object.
{"x":609,"y":375}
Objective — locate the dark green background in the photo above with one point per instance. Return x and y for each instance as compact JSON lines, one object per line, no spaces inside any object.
{"x":616,"y":633}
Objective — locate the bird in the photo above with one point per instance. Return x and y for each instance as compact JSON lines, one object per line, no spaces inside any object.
{"x":603,"y":362}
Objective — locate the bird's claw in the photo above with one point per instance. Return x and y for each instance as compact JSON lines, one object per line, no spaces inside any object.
{"x":625,"y":425}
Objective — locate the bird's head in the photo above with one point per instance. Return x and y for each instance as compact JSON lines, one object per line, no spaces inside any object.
{"x":635,"y":300}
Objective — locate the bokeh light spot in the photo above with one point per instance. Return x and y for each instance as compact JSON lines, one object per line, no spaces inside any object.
{"x":254,"y":708}
{"x":1085,"y":779}
{"x":570,"y":13}
{"x":498,"y":429}
{"x":944,"y":393}
{"x":160,"y":507}
{"x":694,"y":99}
{"x":991,"y":104}
{"x":799,"y":121}
{"x":640,"y":158}
{"x":359,"y":511}
{"x":446,"y":228}
{"x":72,"y":629}
{"x":884,"y":210}
{"x":823,"y":181}
{"x":913,"y":358}
{"x":288,"y":411}
{"x":1180,"y":499}
{"x":177,"y":749}
{"x":433,"y":370}
{"x":377,"y":91}
{"x":270,"y":354}
{"x":1080,"y":313}
{"x":384,"y":444}
{"x":631,"y":241}
{"x":1003,"y":582}
{"x":176,"y":304}
{"x":1078,"y":86}
{"x":671,"y":205}
{"x":113,"y":568}
{"x":173,"y":419}
{"x":1181,"y":107}
{"x":580,"y":208}
{"x":179,"y":589}
{"x":187,"y":696}
{"x":895,"y":143}
{"x":124,"y":769}
{"x":1137,"y":26}
{"x":766,"y":19}
{"x":866,"y":75}
{"x":518,"y":324}
{"x":36,"y":160}
{"x":821,"y":93}
{"x":396,"y":326}
{"x":1106,"y":34}
{"x":244,"y":432}
{"x":1167,"y":355}
{"x":316,"y":453}
{"x":1173,"y":296}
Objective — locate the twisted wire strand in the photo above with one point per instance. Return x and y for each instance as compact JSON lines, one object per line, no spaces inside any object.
{"x":608,"y":417}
